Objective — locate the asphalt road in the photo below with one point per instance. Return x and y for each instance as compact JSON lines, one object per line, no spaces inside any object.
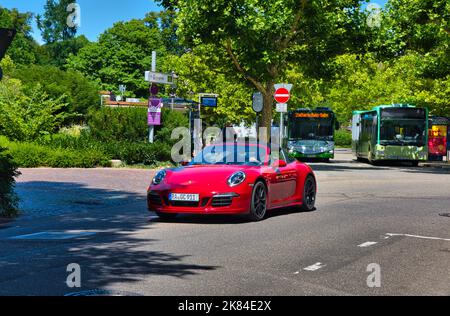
{"x":388,"y":216}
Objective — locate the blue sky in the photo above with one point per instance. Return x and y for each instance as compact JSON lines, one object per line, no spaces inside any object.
{"x":97,"y":15}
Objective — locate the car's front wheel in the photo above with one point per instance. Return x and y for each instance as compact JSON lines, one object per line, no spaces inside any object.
{"x":166,"y":216}
{"x":258,"y":208}
{"x":309,"y":194}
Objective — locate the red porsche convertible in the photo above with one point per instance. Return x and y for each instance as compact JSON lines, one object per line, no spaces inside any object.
{"x":233,"y":179}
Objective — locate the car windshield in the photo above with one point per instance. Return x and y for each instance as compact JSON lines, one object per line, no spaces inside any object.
{"x":403,"y":132}
{"x":311,"y":129}
{"x":231,"y":154}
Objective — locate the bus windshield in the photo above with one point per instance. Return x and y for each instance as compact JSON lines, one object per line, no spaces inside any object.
{"x":403,"y":127}
{"x":311,"y":129}
{"x":399,"y":132}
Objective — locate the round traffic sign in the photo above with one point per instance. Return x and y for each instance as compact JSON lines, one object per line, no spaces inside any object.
{"x":282,"y":95}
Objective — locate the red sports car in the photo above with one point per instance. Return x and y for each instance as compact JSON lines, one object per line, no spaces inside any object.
{"x":233,"y":179}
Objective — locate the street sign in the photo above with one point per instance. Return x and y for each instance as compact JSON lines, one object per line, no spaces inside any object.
{"x":282,"y":95}
{"x":258,"y":102}
{"x":209,"y":101}
{"x":122,"y":88}
{"x":158,"y":77}
{"x":282,"y":108}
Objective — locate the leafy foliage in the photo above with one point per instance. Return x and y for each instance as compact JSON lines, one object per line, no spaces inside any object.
{"x":70,"y":87}
{"x":53,"y":24}
{"x":121,"y":56}
{"x":8,"y":172}
{"x":26,"y":117}
{"x":23,"y":49}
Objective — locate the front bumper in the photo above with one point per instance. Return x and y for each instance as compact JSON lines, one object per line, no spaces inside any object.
{"x":401,"y":153}
{"x":230,"y":203}
{"x":299,"y":155}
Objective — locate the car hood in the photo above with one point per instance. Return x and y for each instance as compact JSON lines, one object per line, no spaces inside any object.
{"x":202,"y":175}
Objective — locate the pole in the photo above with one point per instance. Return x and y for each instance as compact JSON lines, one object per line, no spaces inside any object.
{"x":281,"y":129}
{"x":151,"y":132}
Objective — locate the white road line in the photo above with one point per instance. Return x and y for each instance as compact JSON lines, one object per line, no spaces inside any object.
{"x":315,"y":267}
{"x":367,"y":244}
{"x":416,"y":236}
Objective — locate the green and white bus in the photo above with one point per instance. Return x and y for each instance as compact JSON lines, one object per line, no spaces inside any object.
{"x":391,"y":133}
{"x":311,"y":133}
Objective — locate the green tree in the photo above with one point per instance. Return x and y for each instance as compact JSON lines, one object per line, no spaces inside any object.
{"x":57,"y":53}
{"x":70,"y":86}
{"x":418,"y":26}
{"x":26,"y":117}
{"x":53,"y":25}
{"x":23,"y":48}
{"x":8,"y":172}
{"x":121,"y":56}
{"x":260,"y":38}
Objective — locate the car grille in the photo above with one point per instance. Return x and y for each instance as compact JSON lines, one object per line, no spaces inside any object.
{"x":222,"y":201}
{"x":154,"y":199}
{"x":184,"y":204}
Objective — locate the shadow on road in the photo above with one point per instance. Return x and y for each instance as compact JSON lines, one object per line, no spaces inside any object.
{"x":119,"y":252}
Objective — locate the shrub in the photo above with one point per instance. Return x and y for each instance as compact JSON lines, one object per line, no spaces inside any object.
{"x":26,"y":117}
{"x":32,"y":155}
{"x":130,"y":153}
{"x":8,"y":171}
{"x":130,"y":124}
{"x":343,"y":138}
{"x":79,"y":93}
{"x":119,"y":124}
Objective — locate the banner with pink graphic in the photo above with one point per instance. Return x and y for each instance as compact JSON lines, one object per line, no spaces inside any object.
{"x":154,"y":111}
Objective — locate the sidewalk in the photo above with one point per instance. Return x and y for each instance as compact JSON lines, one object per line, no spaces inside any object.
{"x":436,"y":164}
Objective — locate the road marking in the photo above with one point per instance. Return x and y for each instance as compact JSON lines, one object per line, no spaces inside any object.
{"x":53,"y":236}
{"x":367,"y":244}
{"x":315,"y":267}
{"x":416,"y":236}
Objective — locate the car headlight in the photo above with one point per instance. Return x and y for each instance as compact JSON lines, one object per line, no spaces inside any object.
{"x":236,"y":179}
{"x":159,"y":177}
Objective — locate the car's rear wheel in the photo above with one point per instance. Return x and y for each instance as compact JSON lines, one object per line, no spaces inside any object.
{"x":309,"y":194}
{"x":258,"y":207}
{"x":166,"y":216}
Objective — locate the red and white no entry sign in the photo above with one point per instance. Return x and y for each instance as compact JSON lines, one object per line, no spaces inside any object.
{"x":282,"y":95}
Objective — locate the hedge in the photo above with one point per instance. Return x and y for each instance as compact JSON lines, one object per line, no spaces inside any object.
{"x":8,"y":171}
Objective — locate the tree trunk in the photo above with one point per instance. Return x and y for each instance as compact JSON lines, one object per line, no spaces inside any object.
{"x":266,"y":117}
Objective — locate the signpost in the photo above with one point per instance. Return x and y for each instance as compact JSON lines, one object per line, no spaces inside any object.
{"x":158,"y":77}
{"x":258,"y":106}
{"x":282,"y":96}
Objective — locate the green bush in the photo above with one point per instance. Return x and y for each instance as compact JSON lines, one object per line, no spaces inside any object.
{"x":32,"y":155}
{"x":25,"y":117}
{"x":79,"y":93}
{"x":131,"y":153}
{"x":130,"y":124}
{"x":8,"y":171}
{"x":343,"y":138}
{"x":119,"y":124}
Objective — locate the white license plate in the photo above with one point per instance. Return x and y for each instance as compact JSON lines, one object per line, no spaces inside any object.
{"x":181,"y":197}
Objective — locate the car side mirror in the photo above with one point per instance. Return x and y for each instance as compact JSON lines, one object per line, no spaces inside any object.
{"x":280,"y":163}
{"x":184,"y":163}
